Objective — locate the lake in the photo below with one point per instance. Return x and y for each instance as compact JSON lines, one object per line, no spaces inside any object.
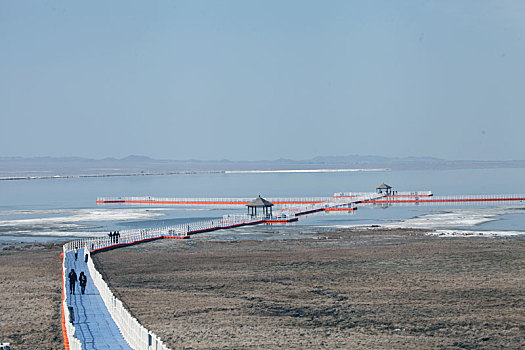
{"x":54,"y":209}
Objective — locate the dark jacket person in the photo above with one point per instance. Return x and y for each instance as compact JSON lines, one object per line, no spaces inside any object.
{"x":82,"y":279}
{"x":72,"y":280}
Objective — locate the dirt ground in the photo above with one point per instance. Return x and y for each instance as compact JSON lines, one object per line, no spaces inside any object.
{"x":374,"y":289}
{"x":30,"y":296}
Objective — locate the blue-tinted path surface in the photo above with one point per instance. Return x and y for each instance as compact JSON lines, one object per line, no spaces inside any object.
{"x":94,"y":326}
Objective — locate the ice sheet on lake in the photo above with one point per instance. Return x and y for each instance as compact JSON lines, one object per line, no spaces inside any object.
{"x":303,"y":171}
{"x":456,"y":218}
{"x":66,"y":222}
{"x":445,"y":222}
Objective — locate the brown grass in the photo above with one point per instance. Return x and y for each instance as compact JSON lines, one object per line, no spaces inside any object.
{"x":370,"y":289}
{"x":30,"y":296}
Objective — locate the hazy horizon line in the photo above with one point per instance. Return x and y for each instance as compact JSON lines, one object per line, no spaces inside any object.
{"x":137,"y":157}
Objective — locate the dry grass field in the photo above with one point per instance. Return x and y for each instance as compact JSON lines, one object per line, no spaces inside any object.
{"x":377,"y":289}
{"x":30,"y":296}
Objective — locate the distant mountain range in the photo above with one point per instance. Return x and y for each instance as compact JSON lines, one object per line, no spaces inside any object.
{"x":11,"y":167}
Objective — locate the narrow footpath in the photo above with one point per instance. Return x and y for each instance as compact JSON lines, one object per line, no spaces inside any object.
{"x":94,"y":325}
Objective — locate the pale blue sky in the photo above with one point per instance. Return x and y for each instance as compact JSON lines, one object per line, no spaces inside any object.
{"x":262,"y":79}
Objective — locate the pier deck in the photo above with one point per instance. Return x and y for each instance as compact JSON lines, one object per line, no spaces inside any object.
{"x":94,"y":326}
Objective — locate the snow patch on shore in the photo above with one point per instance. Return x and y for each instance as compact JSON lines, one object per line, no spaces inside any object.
{"x":472,"y":233}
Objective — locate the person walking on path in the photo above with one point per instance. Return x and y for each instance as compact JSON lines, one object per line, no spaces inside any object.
{"x":72,"y":280}
{"x":76,"y":254}
{"x":82,"y":279}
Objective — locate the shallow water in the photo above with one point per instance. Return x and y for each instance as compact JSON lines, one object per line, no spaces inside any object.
{"x":48,"y":209}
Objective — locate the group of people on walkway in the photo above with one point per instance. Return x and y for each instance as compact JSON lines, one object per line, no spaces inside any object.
{"x":114,"y":236}
{"x":82,"y":280}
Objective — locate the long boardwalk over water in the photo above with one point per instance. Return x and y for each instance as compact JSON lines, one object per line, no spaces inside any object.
{"x":98,"y":320}
{"x":337,"y":200}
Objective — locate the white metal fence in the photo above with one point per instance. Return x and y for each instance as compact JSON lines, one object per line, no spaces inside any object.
{"x":453,"y":200}
{"x":336,"y":202}
{"x":137,"y":336}
{"x":395,"y":193}
{"x":208,"y":202}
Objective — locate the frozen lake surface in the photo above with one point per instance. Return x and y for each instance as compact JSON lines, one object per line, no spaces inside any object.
{"x":56,"y":209}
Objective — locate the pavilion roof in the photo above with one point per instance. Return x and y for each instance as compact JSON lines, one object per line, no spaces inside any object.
{"x":259,"y":203}
{"x":383,"y":186}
